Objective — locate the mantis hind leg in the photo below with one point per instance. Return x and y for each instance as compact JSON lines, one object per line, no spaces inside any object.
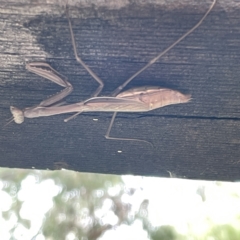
{"x":122,"y":139}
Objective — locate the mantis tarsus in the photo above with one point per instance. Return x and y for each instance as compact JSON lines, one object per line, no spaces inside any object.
{"x":141,"y":99}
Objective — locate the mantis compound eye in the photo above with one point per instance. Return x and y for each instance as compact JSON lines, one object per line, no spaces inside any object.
{"x":18,"y":115}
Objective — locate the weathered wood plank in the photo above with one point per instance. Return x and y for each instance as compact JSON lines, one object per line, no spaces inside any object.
{"x":199,"y":140}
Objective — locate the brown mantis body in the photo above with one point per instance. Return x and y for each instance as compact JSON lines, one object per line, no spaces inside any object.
{"x":141,"y":99}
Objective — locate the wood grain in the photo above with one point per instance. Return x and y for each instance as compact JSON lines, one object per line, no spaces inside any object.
{"x":198,"y":140}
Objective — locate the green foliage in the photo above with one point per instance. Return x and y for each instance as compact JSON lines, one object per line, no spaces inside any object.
{"x":81,"y":202}
{"x":80,"y":196}
{"x":224,"y":232}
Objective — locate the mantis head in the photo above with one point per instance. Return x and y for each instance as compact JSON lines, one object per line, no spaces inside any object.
{"x":18,"y":115}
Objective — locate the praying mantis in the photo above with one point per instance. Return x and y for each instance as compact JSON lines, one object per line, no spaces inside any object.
{"x":141,"y":99}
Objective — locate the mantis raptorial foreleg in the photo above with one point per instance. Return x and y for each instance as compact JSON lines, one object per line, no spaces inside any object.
{"x":46,"y":71}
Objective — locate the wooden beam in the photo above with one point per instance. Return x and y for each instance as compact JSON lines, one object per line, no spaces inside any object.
{"x":198,"y":140}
